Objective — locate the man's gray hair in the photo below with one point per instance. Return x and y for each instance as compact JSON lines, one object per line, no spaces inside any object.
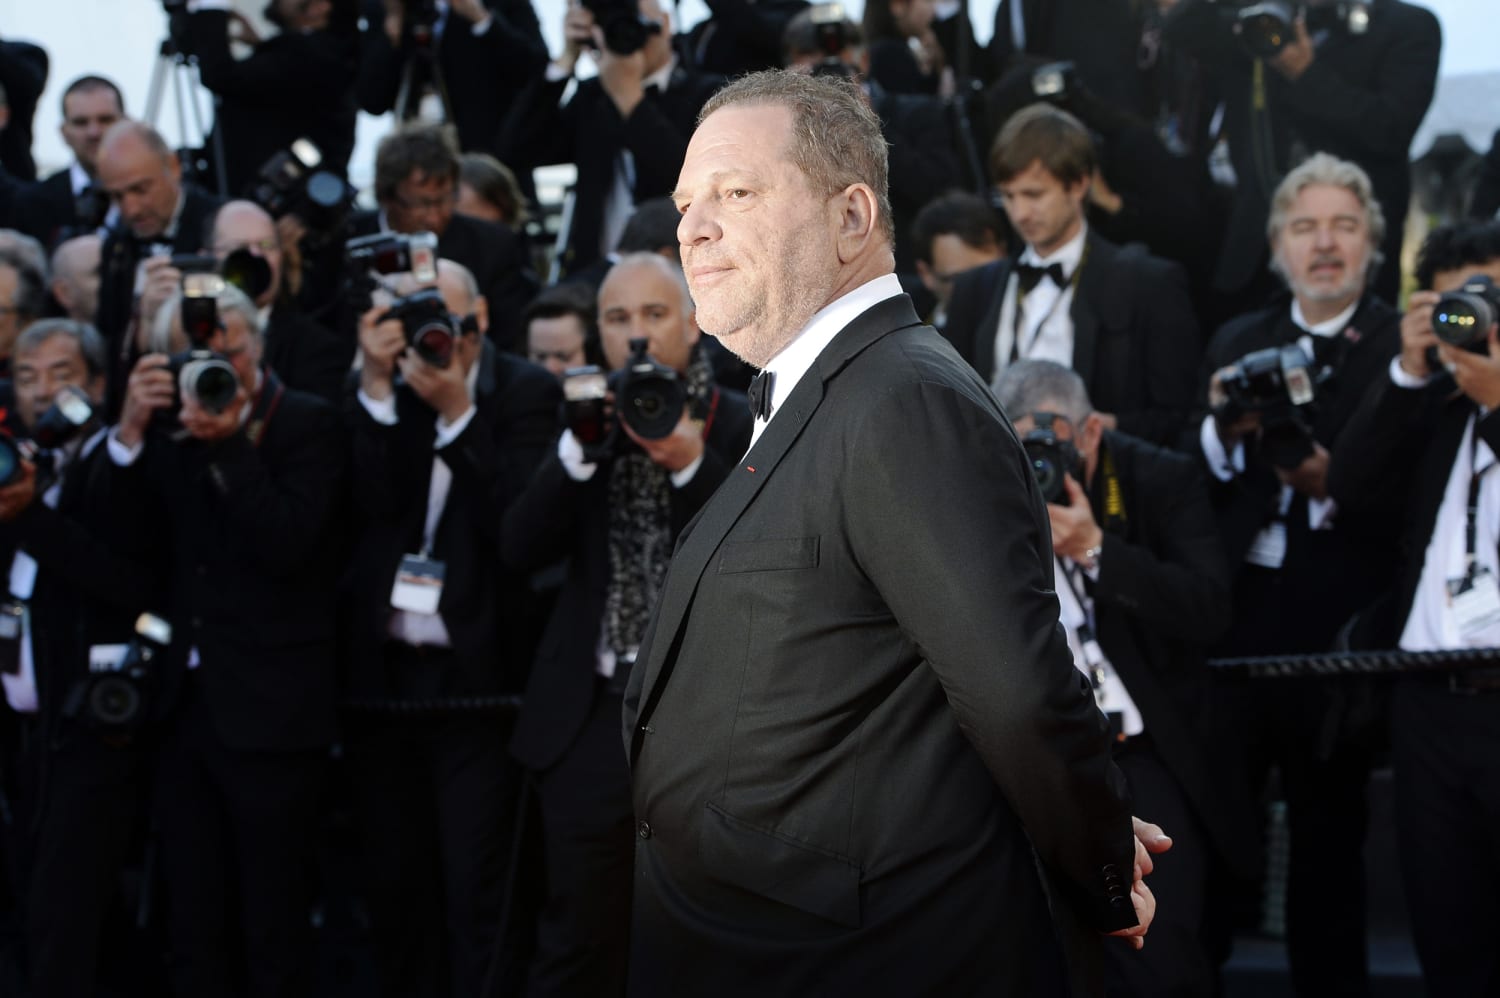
{"x":1029,"y":386}
{"x":1324,"y":170}
{"x":90,"y":343}
{"x":836,"y":139}
{"x":31,"y":281}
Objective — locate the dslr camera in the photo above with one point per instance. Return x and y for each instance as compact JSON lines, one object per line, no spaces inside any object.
{"x":649,"y":397}
{"x":1463,"y":318}
{"x":430,"y":329}
{"x":290,"y":183}
{"x":387,"y":253}
{"x":69,"y":413}
{"x":1279,"y":383}
{"x":625,"y":29}
{"x":833,"y":37}
{"x":1052,"y":459}
{"x":201,"y":374}
{"x":115,"y":696}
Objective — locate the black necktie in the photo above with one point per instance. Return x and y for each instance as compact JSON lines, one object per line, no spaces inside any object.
{"x":760,"y":395}
{"x":1029,"y":276}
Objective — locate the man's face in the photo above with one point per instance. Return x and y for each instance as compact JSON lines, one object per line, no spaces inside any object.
{"x":556,"y":343}
{"x":1451,"y":280}
{"x":145,"y":185}
{"x":1042,"y":209}
{"x":641,"y":301}
{"x":759,"y":245}
{"x":422,"y":204}
{"x":1085,"y":438}
{"x":913,"y":17}
{"x":658,"y":48}
{"x":39,"y":373}
{"x":238,"y":345}
{"x":305,"y":15}
{"x":249,"y":228}
{"x":952,"y":256}
{"x":87,"y":115}
{"x":1324,"y":248}
{"x":76,"y":277}
{"x":10,"y":322}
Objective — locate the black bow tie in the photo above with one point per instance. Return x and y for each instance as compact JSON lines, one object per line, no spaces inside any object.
{"x":1031,"y":275}
{"x":760,"y":395}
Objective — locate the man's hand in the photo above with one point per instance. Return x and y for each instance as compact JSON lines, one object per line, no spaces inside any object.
{"x":443,"y":388}
{"x":212,"y":426}
{"x":677,"y":450}
{"x":621,"y":76}
{"x":1293,"y":60}
{"x":15,"y":497}
{"x":1103,"y":196}
{"x":162,"y":279}
{"x":242,"y":29}
{"x":1478,"y":375}
{"x":1311,"y":476}
{"x":578,"y":35}
{"x":1149,"y":840}
{"x":151,"y":387}
{"x":1231,"y":432}
{"x":1073,"y":528}
{"x":1417,"y":336}
{"x":472,"y":11}
{"x":380,"y":343}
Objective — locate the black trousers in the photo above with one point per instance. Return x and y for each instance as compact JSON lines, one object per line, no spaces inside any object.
{"x":1446,"y":758}
{"x":583,"y":939}
{"x":437,"y":805}
{"x":238,"y":833}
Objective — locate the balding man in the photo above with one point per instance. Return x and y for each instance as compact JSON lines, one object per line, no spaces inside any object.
{"x":440,"y":453}
{"x":159,"y":215}
{"x":23,"y":295}
{"x":75,"y":276}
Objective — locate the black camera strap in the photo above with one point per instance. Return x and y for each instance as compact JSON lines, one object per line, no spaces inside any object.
{"x":1471,"y":527}
{"x":267,"y":400}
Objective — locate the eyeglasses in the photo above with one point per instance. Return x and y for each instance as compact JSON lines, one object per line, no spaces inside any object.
{"x":427,"y":204}
{"x":263,"y":246}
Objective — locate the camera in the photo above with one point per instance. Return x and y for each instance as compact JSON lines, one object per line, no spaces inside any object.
{"x":1054,"y":81}
{"x":649,"y":396}
{"x":1266,"y":27}
{"x":115,"y":696}
{"x":69,"y":412}
{"x":1463,"y":318}
{"x":387,"y":253}
{"x":430,"y":328}
{"x":290,"y":183}
{"x":202,"y":375}
{"x":625,"y":29}
{"x":1052,"y":459}
{"x":584,"y":391}
{"x":1270,"y":379}
{"x":832,"y":37}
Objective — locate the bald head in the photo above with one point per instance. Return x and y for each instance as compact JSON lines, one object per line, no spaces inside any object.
{"x":75,"y":276}
{"x":141,"y":175}
{"x":246,"y":226}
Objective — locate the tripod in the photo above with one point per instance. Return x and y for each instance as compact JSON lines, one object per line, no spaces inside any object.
{"x":421,"y":54}
{"x":177,"y":69}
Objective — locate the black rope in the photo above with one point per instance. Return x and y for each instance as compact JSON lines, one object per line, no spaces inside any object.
{"x":436,"y":705}
{"x":1362,"y":663}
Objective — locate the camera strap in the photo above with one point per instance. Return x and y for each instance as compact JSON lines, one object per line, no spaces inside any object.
{"x":266,"y":403}
{"x":1016,"y":353}
{"x":1474,"y":599}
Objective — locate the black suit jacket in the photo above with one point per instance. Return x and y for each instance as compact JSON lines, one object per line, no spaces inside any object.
{"x":305,"y":354}
{"x":294,"y":85}
{"x":48,"y":208}
{"x":855,"y":715}
{"x":558,"y":518}
{"x":1361,"y":99}
{"x":741,"y":37}
{"x":1135,"y":338}
{"x":483,"y":603}
{"x":923,"y":159}
{"x":590,"y":132}
{"x":1102,"y":38}
{"x":255,"y":550}
{"x":23,"y":74}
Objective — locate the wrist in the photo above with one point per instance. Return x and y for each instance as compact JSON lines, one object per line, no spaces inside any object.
{"x":376,"y":384}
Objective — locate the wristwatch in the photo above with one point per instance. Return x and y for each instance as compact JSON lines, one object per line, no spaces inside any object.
{"x":1090,"y":559}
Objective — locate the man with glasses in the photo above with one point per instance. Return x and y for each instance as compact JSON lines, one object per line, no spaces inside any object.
{"x":952,"y":235}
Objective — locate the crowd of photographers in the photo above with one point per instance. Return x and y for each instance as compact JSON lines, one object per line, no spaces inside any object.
{"x":333,"y":532}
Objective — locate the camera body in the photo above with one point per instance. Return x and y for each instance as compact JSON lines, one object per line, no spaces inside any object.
{"x":828,"y":20}
{"x":199,"y":373}
{"x":115,"y":697}
{"x":1056,"y":81}
{"x":69,"y":413}
{"x":625,"y":30}
{"x":1462,"y":318}
{"x":387,"y":253}
{"x":290,"y":183}
{"x":430,"y":328}
{"x":649,"y":398}
{"x":1052,"y":458}
{"x":1270,"y":379}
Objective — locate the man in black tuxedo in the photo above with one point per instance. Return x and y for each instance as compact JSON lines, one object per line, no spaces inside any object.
{"x":1355,"y":92}
{"x":484,"y":50}
{"x":1421,"y":453}
{"x":1118,"y":316}
{"x":1145,"y":589}
{"x":416,"y":185}
{"x":614,"y":514}
{"x":71,"y":202}
{"x":1304,"y":564}
{"x":953,"y":233}
{"x":854,"y":727}
{"x":159,"y":216}
{"x":81,"y":563}
{"x":297,"y":84}
{"x":252,"y":495}
{"x":439,"y":455}
{"x":23,"y":77}
{"x":626,"y":129}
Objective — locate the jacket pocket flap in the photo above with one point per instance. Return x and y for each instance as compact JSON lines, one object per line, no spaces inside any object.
{"x":779,"y":554}
{"x":776,"y":867}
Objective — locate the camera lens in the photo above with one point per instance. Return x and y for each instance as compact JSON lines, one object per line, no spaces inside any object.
{"x":114,"y":700}
{"x":212,"y":382}
{"x":652,"y":404}
{"x":10,"y":459}
{"x":248,"y":272}
{"x":1462,"y":319}
{"x":1048,"y":471}
{"x":434,"y":344}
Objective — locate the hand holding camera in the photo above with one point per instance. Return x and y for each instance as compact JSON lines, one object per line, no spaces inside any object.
{"x":1418,"y":339}
{"x":1294,"y":58}
{"x":152,"y":388}
{"x":162,"y":278}
{"x":16,"y":495}
{"x":444,"y":388}
{"x":1074,"y":530}
{"x":381,"y":341}
{"x":578,"y":35}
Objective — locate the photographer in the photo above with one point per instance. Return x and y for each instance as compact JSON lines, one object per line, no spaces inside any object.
{"x":251,"y":492}
{"x":627,"y":128}
{"x":615,"y":510}
{"x":1304,"y":564}
{"x":297,"y":83}
{"x":1422,"y":455}
{"x":739,"y":36}
{"x":473,"y":54}
{"x":562,"y":329}
{"x":80,"y":556}
{"x":953,"y":233}
{"x":71,"y":201}
{"x":1143,"y":588}
{"x":1352,"y":80}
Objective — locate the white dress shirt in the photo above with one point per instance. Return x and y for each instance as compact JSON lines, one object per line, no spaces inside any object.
{"x":1047,"y":323}
{"x":619,"y":202}
{"x":1076,"y":608}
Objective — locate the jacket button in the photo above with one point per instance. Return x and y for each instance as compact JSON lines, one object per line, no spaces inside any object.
{"x":643,"y":829}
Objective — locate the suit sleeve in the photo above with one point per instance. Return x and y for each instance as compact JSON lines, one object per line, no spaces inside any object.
{"x":299,"y":69}
{"x":540,"y":526}
{"x":967,"y":307}
{"x":1381,"y":445}
{"x":1173,"y":348}
{"x":987,"y":624}
{"x":536,"y":131}
{"x":379,"y":77}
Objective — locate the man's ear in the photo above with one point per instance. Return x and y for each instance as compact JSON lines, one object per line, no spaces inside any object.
{"x":1093,"y":432}
{"x":482,"y":315}
{"x":858,"y":220}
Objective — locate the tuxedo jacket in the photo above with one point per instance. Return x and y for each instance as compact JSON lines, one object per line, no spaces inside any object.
{"x":556,"y":518}
{"x":1102,"y":38}
{"x":741,"y":37}
{"x":48,"y":208}
{"x":253,"y":554}
{"x":483,"y":603}
{"x":305,"y":354}
{"x":589,"y":131}
{"x":855,"y":728}
{"x":1135,"y":337}
{"x":1362,"y":99}
{"x":924,"y":161}
{"x":23,"y":75}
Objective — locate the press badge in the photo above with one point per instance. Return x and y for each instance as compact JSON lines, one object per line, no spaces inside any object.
{"x":1269,"y":548}
{"x":1475,"y":602}
{"x":419,"y":584}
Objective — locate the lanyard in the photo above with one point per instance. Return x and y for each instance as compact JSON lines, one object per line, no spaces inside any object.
{"x":1471,"y":528}
{"x":1019,"y":311}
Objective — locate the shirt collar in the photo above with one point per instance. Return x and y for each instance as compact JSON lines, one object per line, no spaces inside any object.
{"x":169,"y":234}
{"x":1328,"y":327}
{"x":79,"y":178}
{"x":661,"y":77}
{"x":1069,"y":254}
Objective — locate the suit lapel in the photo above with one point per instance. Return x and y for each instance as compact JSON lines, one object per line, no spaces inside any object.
{"x":989,"y":327}
{"x":1085,"y":308}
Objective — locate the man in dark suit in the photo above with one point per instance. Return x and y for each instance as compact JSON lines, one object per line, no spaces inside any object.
{"x":1101,"y":39}
{"x":159,"y":216}
{"x":416,"y":185}
{"x":484,"y":51}
{"x":1118,"y":316}
{"x":614,"y":515}
{"x":71,"y":202}
{"x":1421,"y":453}
{"x":253,"y":553}
{"x":297,"y":84}
{"x":854,"y":694}
{"x":1145,"y":589}
{"x":1304,"y":564}
{"x":437,"y":791}
{"x":626,"y":129}
{"x":1356,"y":89}
{"x":740,"y":36}
{"x":23,"y":77}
